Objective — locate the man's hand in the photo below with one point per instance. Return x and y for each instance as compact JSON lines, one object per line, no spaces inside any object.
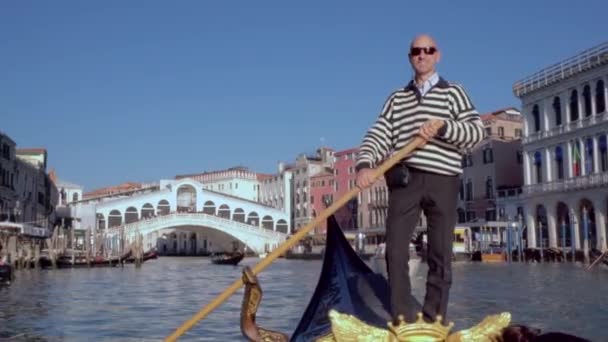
{"x":429,"y":129}
{"x":365,"y":178}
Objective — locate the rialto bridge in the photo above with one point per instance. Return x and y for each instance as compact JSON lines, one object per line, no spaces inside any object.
{"x":181,"y":217}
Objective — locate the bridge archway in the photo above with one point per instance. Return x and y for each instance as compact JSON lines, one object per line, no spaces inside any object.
{"x":253,"y":219}
{"x":114,"y":218}
{"x":147,"y":210}
{"x":239,"y":215}
{"x":282,"y":226}
{"x":209,"y":208}
{"x":267,"y":222}
{"x":186,"y":198}
{"x":131,"y":215}
{"x":224,"y":211}
{"x":163,"y":207}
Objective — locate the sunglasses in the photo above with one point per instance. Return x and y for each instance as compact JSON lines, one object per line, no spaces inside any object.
{"x":429,"y":50}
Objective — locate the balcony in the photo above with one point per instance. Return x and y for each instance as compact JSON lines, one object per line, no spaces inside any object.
{"x":571,"y":184}
{"x":566,"y":128}
{"x":584,"y":61}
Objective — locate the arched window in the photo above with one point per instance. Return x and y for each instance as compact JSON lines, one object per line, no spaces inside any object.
{"x":538,"y":164}
{"x":587,"y":100}
{"x":559,"y":162}
{"x":600,"y":100}
{"x":536,"y":118}
{"x":574,"y":105}
{"x":557,"y":110}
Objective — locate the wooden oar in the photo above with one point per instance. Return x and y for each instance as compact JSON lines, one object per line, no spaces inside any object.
{"x":378,"y":172}
{"x":596,"y":260}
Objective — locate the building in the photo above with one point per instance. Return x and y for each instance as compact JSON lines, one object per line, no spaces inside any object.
{"x":305,"y":167}
{"x":322,"y":193}
{"x":275,"y":190}
{"x":236,"y":181}
{"x":27,"y":195}
{"x":565,"y":156}
{"x":66,"y":193}
{"x":492,"y":175}
{"x":345,"y":180}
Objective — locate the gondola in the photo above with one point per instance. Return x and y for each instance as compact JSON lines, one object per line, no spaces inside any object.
{"x":351,"y":303}
{"x":227,"y":258}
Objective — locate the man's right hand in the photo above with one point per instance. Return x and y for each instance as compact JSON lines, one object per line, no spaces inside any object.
{"x":365,"y":178}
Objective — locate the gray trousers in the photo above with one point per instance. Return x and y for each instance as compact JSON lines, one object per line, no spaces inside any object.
{"x":435,"y":195}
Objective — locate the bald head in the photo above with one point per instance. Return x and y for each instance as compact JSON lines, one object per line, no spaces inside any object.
{"x":423,"y":40}
{"x":424,"y":55}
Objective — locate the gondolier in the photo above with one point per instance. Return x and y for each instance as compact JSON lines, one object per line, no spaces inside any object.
{"x":427,"y":180}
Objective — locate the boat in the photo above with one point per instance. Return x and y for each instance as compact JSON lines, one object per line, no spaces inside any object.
{"x":351,"y":303}
{"x":6,"y":274}
{"x":227,"y":258}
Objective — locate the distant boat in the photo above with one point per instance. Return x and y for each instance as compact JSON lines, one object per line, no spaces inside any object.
{"x":227,"y":258}
{"x":6,"y":274}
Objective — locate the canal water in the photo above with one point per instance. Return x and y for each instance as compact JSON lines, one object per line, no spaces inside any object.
{"x":147,"y":304}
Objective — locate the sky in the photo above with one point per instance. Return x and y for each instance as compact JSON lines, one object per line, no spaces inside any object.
{"x":121,"y":91}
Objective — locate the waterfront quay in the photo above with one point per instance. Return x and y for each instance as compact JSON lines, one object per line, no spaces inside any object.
{"x":148,"y":303}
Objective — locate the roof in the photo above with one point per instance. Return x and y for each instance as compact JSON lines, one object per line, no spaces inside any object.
{"x":263,"y":176}
{"x":350,"y":150}
{"x":30,"y":150}
{"x":114,"y":189}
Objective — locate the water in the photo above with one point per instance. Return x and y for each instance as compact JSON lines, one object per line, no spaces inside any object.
{"x":148,"y":304}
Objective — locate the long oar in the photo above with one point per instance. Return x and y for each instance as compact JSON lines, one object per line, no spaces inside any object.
{"x":597,"y":260}
{"x":378,"y":172}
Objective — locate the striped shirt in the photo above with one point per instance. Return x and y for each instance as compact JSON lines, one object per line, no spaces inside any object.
{"x":401,"y":117}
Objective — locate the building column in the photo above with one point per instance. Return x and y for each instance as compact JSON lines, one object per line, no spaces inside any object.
{"x":582,"y":152}
{"x":552,"y":227}
{"x":526,"y":156}
{"x":549,"y":165}
{"x":569,"y":170}
{"x":531,"y":225}
{"x":592,"y":96}
{"x":596,"y":154}
{"x":600,"y":206}
{"x":581,"y":101}
{"x":574,"y":221}
{"x":605,"y":94}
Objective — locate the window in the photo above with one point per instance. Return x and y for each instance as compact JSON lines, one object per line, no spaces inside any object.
{"x":559,"y":162}
{"x":600,"y":101}
{"x":538,"y":166}
{"x":488,"y":156}
{"x":501,"y":132}
{"x":587,"y":100}
{"x":491,"y":214}
{"x":488,"y":131}
{"x":469,"y":194}
{"x":574,"y":105}
{"x":536,"y":118}
{"x":489,"y":188}
{"x":557,"y":110}
{"x":518,"y":133}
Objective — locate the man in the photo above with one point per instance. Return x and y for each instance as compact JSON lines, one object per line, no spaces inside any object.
{"x":427,"y":180}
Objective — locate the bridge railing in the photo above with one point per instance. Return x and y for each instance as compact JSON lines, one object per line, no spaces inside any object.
{"x":160,"y":220}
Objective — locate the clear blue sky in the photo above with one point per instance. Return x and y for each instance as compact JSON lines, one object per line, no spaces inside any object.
{"x":142,"y":90}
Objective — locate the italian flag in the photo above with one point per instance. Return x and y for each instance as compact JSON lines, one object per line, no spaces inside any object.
{"x":576,"y":161}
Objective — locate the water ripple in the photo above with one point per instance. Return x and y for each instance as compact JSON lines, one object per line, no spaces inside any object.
{"x":147,"y":304}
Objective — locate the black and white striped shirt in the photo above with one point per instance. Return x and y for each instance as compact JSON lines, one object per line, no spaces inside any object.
{"x":406,"y":110}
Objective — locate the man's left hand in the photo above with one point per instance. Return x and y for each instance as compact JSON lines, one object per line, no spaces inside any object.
{"x":429,"y":129}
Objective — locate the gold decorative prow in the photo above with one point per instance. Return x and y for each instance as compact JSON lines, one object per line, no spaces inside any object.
{"x":346,"y":327}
